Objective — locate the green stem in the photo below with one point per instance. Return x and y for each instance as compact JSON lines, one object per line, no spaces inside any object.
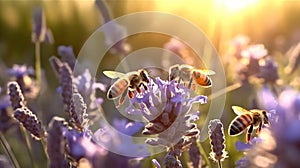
{"x":224,"y":91}
{"x":43,"y":141}
{"x":28,"y":145}
{"x":203,"y":153}
{"x":38,"y":63}
{"x":8,"y":151}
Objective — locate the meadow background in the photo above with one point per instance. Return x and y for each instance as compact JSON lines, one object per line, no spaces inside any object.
{"x":273,"y":23}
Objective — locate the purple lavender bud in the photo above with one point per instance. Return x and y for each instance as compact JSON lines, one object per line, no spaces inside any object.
{"x":67,"y":86}
{"x":56,"y":64}
{"x":78,"y":111}
{"x":39,"y":27}
{"x":171,"y":161}
{"x":30,"y":122}
{"x":217,"y":141}
{"x":56,"y":143}
{"x":15,"y":94}
{"x":195,"y":155}
{"x":67,"y":55}
{"x":49,"y":37}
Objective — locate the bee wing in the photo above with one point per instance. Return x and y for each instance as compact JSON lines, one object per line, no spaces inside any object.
{"x":206,"y":71}
{"x":113,"y":74}
{"x":239,"y":110}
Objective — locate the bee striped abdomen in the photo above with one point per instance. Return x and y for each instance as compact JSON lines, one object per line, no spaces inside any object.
{"x":201,"y":79}
{"x":239,"y":124}
{"x":117,"y":88}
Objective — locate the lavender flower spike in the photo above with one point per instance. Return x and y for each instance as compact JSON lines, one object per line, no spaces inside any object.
{"x":78,"y":111}
{"x":30,"y":122}
{"x":56,"y":143}
{"x":16,"y":96}
{"x":67,"y":85}
{"x":217,"y":141}
{"x":39,"y":27}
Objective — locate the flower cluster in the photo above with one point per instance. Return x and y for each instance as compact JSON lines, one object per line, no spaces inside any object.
{"x":167,"y":107}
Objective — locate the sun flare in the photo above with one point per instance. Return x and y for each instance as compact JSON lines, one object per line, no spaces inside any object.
{"x":235,"y":5}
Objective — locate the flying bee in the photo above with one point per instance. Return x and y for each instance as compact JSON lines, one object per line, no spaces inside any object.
{"x":126,"y":84}
{"x":187,"y":74}
{"x":251,"y":120}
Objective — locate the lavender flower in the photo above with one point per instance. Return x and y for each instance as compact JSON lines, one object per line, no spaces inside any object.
{"x":56,"y":143}
{"x":217,"y":141}
{"x":268,"y":71}
{"x":80,"y":145}
{"x":6,"y":120}
{"x":21,"y":74}
{"x":78,"y":111}
{"x":16,"y":96}
{"x":39,"y":27}
{"x":195,"y":155}
{"x":67,"y":55}
{"x":167,"y":107}
{"x":67,"y":86}
{"x":30,"y":122}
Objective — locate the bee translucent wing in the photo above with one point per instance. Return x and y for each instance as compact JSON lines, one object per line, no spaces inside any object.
{"x":206,"y":71}
{"x":239,"y":110}
{"x":113,"y":74}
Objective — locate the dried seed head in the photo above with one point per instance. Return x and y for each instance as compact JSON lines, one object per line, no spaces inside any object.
{"x":217,"y":140}
{"x":30,"y":122}
{"x":56,"y":143}
{"x":16,"y":96}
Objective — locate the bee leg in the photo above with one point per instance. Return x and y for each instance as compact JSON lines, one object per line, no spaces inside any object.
{"x":249,"y":132}
{"x":190,"y":83}
{"x":259,"y":128}
{"x":122,"y":98}
{"x":130,"y":94}
{"x":145,"y":87}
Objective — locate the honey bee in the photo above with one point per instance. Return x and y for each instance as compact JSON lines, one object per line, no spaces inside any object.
{"x":251,"y":120}
{"x":126,"y":84}
{"x":187,"y":74}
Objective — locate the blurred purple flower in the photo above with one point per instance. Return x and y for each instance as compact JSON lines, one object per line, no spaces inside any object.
{"x":175,"y":46}
{"x":241,"y":146}
{"x":119,"y":137}
{"x":257,"y":51}
{"x":21,"y":74}
{"x":67,"y":55}
{"x":128,"y":128}
{"x":81,"y":145}
{"x":6,"y":120}
{"x":239,"y":43}
{"x":20,"y":71}
{"x":39,"y":27}
{"x":268,"y":71}
{"x":266,"y":98}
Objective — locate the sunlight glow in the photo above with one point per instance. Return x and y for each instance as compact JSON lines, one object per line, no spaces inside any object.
{"x":235,"y":5}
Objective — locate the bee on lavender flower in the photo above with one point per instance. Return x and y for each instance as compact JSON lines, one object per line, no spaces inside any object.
{"x":187,"y":74}
{"x":251,"y":119}
{"x":126,"y":84}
